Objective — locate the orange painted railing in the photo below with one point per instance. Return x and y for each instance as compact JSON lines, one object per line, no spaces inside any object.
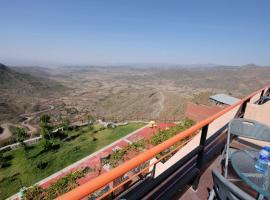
{"x":104,"y":179}
{"x":143,"y":170}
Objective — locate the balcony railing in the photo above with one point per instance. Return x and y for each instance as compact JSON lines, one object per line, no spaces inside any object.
{"x":186,"y":170}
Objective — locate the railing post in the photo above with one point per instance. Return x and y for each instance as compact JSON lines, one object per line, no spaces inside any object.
{"x":262,"y":93}
{"x":200,"y":158}
{"x":153,"y":171}
{"x":268,"y":92}
{"x":243,"y":109}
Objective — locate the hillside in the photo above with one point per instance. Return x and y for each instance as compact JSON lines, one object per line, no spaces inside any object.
{"x":161,"y":92}
{"x":21,"y":92}
{"x":121,"y":92}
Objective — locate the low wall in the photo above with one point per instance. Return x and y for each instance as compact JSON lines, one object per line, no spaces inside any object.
{"x":17,"y":145}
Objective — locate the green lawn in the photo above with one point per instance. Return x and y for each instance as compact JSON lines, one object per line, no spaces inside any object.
{"x":23,"y":170}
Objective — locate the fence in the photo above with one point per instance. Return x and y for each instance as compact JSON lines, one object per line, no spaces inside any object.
{"x":18,"y":144}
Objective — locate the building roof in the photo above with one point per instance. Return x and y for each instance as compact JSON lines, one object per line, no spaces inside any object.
{"x":224,"y":98}
{"x":200,"y":112}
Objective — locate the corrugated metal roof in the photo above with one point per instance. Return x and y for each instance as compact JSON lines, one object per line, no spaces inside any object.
{"x":224,"y":98}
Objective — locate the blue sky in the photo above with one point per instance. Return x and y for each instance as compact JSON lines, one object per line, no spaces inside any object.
{"x":58,"y":32}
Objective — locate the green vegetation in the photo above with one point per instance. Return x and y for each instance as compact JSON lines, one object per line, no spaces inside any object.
{"x":65,"y":123}
{"x":61,"y":186}
{"x":46,"y":127}
{"x":3,"y":162}
{"x":119,"y":154}
{"x":26,"y":166}
{"x":163,"y":135}
{"x":49,"y":156}
{"x":19,"y":134}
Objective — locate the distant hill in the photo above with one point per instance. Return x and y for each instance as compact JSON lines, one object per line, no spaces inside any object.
{"x":19,"y":90}
{"x":25,"y":83}
{"x":2,"y":67}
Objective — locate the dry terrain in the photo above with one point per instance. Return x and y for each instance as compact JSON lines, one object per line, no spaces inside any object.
{"x":123,"y":92}
{"x":126,"y":92}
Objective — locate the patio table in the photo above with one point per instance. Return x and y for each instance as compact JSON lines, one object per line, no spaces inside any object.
{"x":243,"y":163}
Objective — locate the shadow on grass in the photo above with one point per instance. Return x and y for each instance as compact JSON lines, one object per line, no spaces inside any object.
{"x":42,"y":164}
{"x":54,"y":147}
{"x":8,"y":157}
{"x":70,"y":138}
{"x":29,"y":147}
{"x":6,"y":162}
{"x":11,"y":178}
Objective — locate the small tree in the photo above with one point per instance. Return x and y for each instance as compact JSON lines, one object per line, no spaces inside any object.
{"x":46,"y":127}
{"x":46,"y":130}
{"x":90,"y":120}
{"x":45,"y":118}
{"x":19,"y":134}
{"x":47,"y":145}
{"x":65,"y":123}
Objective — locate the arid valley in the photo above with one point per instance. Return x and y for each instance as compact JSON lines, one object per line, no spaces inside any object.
{"x":118,"y":92}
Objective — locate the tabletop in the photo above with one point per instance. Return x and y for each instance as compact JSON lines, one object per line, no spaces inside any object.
{"x":243,"y":163}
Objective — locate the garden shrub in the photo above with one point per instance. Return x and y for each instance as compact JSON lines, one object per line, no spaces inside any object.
{"x":19,"y":134}
{"x":42,"y":164}
{"x":58,"y":188}
{"x":164,"y":135}
{"x":47,"y":145}
{"x":119,"y":154}
{"x":34,"y":193}
{"x":159,"y":137}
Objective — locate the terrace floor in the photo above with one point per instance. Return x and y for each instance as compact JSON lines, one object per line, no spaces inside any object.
{"x":199,"y":112}
{"x":206,"y":182}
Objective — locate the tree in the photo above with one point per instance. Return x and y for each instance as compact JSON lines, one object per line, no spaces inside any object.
{"x":46,"y":130}
{"x":19,"y":134}
{"x":47,"y":145}
{"x":90,"y":119}
{"x":45,"y":118}
{"x":46,"y":127}
{"x":65,"y":123}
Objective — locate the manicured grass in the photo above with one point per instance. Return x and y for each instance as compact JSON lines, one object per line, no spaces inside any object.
{"x":23,"y":170}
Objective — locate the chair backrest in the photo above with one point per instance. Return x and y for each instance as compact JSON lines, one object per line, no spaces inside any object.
{"x":262,"y":100}
{"x":225,"y":190}
{"x":249,"y":129}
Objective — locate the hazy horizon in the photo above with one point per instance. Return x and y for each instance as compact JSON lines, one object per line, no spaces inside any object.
{"x":131,"y":64}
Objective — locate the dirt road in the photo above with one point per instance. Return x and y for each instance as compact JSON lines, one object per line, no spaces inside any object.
{"x":4,"y":137}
